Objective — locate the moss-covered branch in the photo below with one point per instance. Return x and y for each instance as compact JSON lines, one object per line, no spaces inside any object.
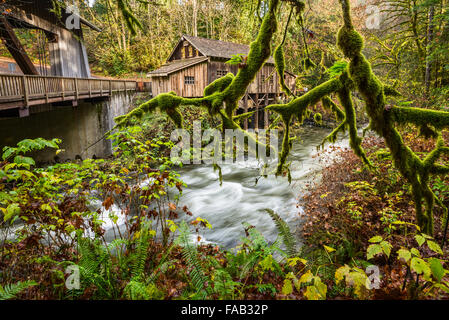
{"x":298,"y":107}
{"x":438,"y":119}
{"x":344,"y":95}
{"x":383,"y":121}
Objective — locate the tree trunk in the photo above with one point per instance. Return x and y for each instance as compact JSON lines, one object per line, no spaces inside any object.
{"x":195,"y":17}
{"x":429,"y":50}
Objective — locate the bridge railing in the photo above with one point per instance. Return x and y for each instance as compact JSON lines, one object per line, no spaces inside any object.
{"x":30,"y":90}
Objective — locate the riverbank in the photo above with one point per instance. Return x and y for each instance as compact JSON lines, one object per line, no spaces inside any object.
{"x":351,"y":205}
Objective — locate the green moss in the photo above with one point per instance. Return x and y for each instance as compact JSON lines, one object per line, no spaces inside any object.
{"x":349,"y":41}
{"x":298,"y":107}
{"x":243,"y":116}
{"x":420,"y":117}
{"x":391,"y":92}
{"x":286,"y":146}
{"x":330,"y":105}
{"x":279,"y":60}
{"x":318,"y":118}
{"x":332,"y":137}
{"x":166,"y":102}
{"x":219,"y":85}
{"x":355,"y":142}
{"x":383,"y":121}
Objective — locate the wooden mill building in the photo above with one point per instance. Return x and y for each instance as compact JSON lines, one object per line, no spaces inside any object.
{"x":196,"y":62}
{"x":62,"y":75}
{"x":61,"y":43}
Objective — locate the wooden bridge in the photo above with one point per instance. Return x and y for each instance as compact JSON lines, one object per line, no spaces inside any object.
{"x":22,"y":91}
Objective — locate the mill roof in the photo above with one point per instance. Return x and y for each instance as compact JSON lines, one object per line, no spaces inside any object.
{"x":209,"y":48}
{"x":216,"y":48}
{"x":177,"y":65}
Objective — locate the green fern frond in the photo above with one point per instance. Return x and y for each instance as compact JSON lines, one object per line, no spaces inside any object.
{"x":136,"y":290}
{"x":284,"y":231}
{"x":190,"y":255}
{"x":10,"y":291}
{"x":139,"y":256}
{"x":257,"y":239}
{"x":95,"y":267}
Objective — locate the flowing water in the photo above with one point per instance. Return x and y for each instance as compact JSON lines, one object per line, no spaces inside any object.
{"x":240,"y":199}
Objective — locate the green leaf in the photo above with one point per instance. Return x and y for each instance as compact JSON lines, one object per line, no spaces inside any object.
{"x":435,"y":247}
{"x":24,"y":160}
{"x":437,"y":269}
{"x":415,"y":252}
{"x":306,"y":277}
{"x":12,"y":210}
{"x":317,"y":291}
{"x":235,"y":59}
{"x":341,"y":273}
{"x":287,"y":288}
{"x":375,"y":239}
{"x":8,"y":152}
{"x":420,"y":239}
{"x":404,"y":254}
{"x":373,"y":250}
{"x":386,"y":247}
{"x":420,"y":266}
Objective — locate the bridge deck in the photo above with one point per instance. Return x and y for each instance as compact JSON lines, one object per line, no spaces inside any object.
{"x":23,"y":91}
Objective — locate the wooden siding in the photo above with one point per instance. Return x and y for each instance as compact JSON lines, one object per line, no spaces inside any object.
{"x":176,"y":82}
{"x":266,"y":80}
{"x":215,"y":66}
{"x":184,"y":50}
{"x":262,"y":84}
{"x":67,"y":54}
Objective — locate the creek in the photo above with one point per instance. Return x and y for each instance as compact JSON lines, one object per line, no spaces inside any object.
{"x":240,"y":198}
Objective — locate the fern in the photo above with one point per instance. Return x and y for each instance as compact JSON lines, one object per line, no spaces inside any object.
{"x":284,"y":230}
{"x":258,"y":249}
{"x":163,"y":264}
{"x":136,"y":290}
{"x":224,"y":286}
{"x":337,"y":69}
{"x":190,"y":255}
{"x":10,"y":291}
{"x":258,"y":241}
{"x":140,"y":289}
{"x":139,"y":258}
{"x":95,"y":267}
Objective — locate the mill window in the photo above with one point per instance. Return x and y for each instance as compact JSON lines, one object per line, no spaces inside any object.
{"x":221,"y":73}
{"x":189,"y":80}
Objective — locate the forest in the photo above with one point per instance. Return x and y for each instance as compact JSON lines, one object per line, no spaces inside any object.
{"x":369,"y":113}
